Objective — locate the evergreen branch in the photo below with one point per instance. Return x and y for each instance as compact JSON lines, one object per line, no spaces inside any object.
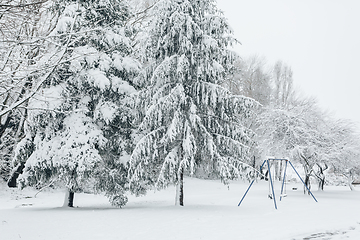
{"x":227,"y":92}
{"x":133,"y":158}
{"x":232,"y":140}
{"x":166,"y":101}
{"x":162,"y":170}
{"x":232,"y":125}
{"x":241,"y":162}
{"x":221,"y":119}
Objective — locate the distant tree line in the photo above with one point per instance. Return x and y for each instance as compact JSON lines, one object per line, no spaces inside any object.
{"x":291,"y":125}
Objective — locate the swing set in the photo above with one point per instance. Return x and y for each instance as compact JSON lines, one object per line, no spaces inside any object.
{"x":270,"y":179}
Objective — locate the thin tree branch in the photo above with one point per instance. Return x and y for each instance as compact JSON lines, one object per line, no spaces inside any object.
{"x":40,"y":83}
{"x":22,"y":5}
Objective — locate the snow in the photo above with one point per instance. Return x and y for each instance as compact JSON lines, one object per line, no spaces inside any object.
{"x":210,"y":212}
{"x":122,"y":87}
{"x":69,"y":150}
{"x":67,"y":18}
{"x":99,"y":79}
{"x":130,"y":64}
{"x":126,"y":63}
{"x":106,"y":111}
{"x":64,"y":23}
{"x":46,"y":99}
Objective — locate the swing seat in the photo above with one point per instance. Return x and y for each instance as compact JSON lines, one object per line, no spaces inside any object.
{"x":283,"y":195}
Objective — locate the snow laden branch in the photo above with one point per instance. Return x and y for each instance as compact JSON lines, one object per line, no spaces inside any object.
{"x":22,"y":5}
{"x":145,"y":152}
{"x":220,"y":102}
{"x":42,"y":79}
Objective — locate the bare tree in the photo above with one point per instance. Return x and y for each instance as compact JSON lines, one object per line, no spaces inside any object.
{"x":310,"y":136}
{"x":251,"y":79}
{"x":21,"y":30}
{"x":29,"y":56}
{"x":283,"y":88}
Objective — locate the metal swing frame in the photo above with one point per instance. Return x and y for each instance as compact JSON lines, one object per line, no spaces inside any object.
{"x":271,"y":180}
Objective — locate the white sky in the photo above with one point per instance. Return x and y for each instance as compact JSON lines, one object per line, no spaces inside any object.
{"x":319,"y":39}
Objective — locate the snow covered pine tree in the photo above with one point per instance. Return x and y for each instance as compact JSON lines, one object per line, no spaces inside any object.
{"x":79,"y":131}
{"x":190,"y":122}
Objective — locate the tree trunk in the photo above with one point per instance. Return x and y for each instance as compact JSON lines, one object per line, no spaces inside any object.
{"x":180,"y":189}
{"x":15,"y":174}
{"x":181,"y":196}
{"x":350,"y":181}
{"x":20,"y":130}
{"x":321,"y":183}
{"x":321,"y":179}
{"x":254,"y":162}
{"x":69,"y":198}
{"x":308,"y":171}
{"x":321,"y":176}
{"x":280,"y":168}
{"x":307,"y":183}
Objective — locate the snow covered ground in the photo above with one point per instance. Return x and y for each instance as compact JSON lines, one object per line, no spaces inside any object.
{"x":210,"y":212}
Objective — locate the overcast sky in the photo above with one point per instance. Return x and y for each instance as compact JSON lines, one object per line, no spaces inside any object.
{"x":319,"y":39}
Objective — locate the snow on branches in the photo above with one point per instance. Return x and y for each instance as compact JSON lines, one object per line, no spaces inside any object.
{"x":71,"y":154}
{"x":190,"y":122}
{"x":84,"y":137}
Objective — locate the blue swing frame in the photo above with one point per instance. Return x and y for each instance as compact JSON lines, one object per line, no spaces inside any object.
{"x":271,"y":181}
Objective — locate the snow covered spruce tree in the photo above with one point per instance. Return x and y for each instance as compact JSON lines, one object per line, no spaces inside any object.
{"x":79,"y":129}
{"x":190,"y":122}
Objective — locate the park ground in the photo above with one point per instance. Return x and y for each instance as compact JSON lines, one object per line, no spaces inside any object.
{"x":211,"y":212}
